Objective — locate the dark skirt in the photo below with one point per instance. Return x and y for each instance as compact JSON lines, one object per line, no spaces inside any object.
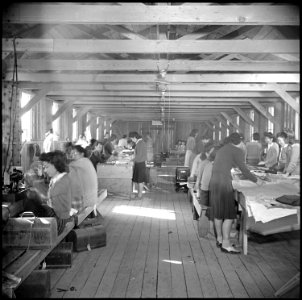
{"x":222,"y":200}
{"x":205,"y":201}
{"x":139,"y":172}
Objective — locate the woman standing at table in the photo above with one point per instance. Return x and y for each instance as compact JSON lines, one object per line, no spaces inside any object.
{"x":292,"y":166}
{"x":140,"y":158}
{"x":190,"y":148}
{"x":222,"y":200}
{"x":271,"y":159}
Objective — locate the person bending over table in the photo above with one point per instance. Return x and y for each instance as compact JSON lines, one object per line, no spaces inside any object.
{"x":57,"y":203}
{"x":222,"y":202}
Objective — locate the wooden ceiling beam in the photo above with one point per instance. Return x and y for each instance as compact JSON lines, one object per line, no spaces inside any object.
{"x":148,"y":78}
{"x":171,"y":14}
{"x":288,"y":98}
{"x":151,"y":65}
{"x":230,"y":120}
{"x":34,"y":100}
{"x":65,"y":106}
{"x":244,"y":116}
{"x":152,"y":46}
{"x":152,"y":99}
{"x":197,"y":87}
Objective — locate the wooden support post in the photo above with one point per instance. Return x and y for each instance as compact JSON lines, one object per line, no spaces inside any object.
{"x":11,"y":127}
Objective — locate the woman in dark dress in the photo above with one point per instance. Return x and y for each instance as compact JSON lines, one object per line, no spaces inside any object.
{"x":222,"y":200}
{"x":140,"y":158}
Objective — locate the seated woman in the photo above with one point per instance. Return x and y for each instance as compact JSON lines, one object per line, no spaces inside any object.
{"x":57,"y":204}
{"x":83,"y":178}
{"x":97,"y":155}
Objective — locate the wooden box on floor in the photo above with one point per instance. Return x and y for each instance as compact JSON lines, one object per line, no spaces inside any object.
{"x":36,"y":285}
{"x":86,"y":238}
{"x":60,"y":257}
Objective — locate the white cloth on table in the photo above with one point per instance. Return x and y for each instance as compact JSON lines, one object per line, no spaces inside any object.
{"x":258,"y":199}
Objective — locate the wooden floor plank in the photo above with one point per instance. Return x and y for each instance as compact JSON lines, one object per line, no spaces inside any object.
{"x":121,"y":282}
{"x":222,"y":287}
{"x":114,"y":232}
{"x":134,"y":289}
{"x":111,"y":272}
{"x":179,"y":289}
{"x":149,"y":288}
{"x":247,"y":280}
{"x":186,"y":229}
{"x":164,"y":283}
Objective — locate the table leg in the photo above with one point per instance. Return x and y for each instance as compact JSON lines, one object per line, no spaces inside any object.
{"x":243,"y":232}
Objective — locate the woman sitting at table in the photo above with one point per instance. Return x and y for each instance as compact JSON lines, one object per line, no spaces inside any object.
{"x":292,"y":166}
{"x":57,"y":204}
{"x":222,"y":202}
{"x":84,"y":179}
{"x":97,"y":155}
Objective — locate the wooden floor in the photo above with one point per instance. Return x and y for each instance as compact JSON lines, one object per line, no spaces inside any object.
{"x":154,"y":255}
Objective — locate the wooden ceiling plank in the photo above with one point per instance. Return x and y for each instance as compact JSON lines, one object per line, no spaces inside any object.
{"x":262,"y":110}
{"x":230,"y":120}
{"x":123,"y":78}
{"x":227,"y":87}
{"x":172,"y":14}
{"x":287,"y":98}
{"x":36,"y":98}
{"x":152,"y":46}
{"x":151,"y":65}
{"x":288,"y":57}
{"x":65,"y":106}
{"x":244,"y":116}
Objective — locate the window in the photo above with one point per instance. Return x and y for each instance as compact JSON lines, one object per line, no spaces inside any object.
{"x":297,"y":122}
{"x":26,"y":119}
{"x":55,"y":123}
{"x":87,"y":130}
{"x":74,"y":126}
{"x":98,"y":128}
{"x":228,"y":130}
{"x":105,"y":127}
{"x":214,"y":128}
{"x":252,"y":116}
{"x":237,"y":122}
{"x":219,"y":134}
{"x":270,"y":125}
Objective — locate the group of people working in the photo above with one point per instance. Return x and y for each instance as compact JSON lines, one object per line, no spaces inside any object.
{"x":73,"y":181}
{"x":211,"y":170}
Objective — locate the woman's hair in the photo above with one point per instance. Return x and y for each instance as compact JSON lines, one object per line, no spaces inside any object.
{"x":207,"y":148}
{"x":282,"y":134}
{"x":193,"y":132}
{"x":124,"y":136}
{"x":290,"y":135}
{"x":56,"y":158}
{"x":269,"y":135}
{"x":256,"y":136}
{"x":213,"y":154}
{"x":234,"y":138}
{"x":113,"y":137}
{"x":92,"y":142}
{"x":134,"y":134}
{"x":80,"y":149}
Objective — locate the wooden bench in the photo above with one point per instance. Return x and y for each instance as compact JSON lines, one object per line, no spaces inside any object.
{"x":21,"y":263}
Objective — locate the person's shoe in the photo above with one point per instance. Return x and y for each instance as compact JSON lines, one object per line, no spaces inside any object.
{"x":230,"y":250}
{"x":218,"y":244}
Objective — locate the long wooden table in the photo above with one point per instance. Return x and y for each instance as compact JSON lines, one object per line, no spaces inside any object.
{"x":282,"y":224}
{"x":21,"y":263}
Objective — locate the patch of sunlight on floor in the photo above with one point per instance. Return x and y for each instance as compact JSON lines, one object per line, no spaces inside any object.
{"x":145,"y":212}
{"x":173,"y":261}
